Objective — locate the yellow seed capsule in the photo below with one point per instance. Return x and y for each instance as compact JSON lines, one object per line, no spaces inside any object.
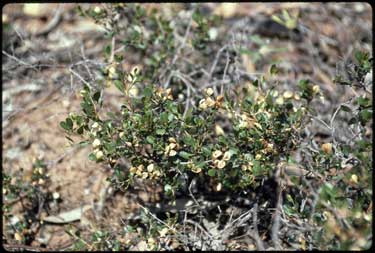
{"x":221,"y":164}
{"x":135,"y":71}
{"x":150,"y":167}
{"x":18,"y":237}
{"x":96,"y":143}
{"x":144,"y":175}
{"x":202,"y":104}
{"x":56,"y":195}
{"x":216,"y":154}
{"x":210,"y":102}
{"x":141,"y":167}
{"x":163,"y":232}
{"x":133,"y":170}
{"x":168,"y":91}
{"x":196,"y":169}
{"x":226,"y":156}
{"x":172,"y":145}
{"x":219,"y":186}
{"x":172,"y":140}
{"x":40,"y":171}
{"x":172,"y":153}
{"x":112,"y":70}
{"x":316,"y":89}
{"x":258,"y":157}
{"x":279,"y":100}
{"x":83,"y":93}
{"x":99,"y":155}
{"x":95,"y":125}
{"x":354,"y":179}
{"x":97,"y":9}
{"x":243,"y":124}
{"x":288,"y":94}
{"x":219,"y":130}
{"x":327,"y":148}
{"x":209,"y":91}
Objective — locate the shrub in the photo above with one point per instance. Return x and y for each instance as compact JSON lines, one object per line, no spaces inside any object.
{"x":191,"y":137}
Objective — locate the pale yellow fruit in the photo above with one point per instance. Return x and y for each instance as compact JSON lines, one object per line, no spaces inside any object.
{"x":216,"y":154}
{"x":141,"y":167}
{"x":219,"y":186}
{"x":172,"y":153}
{"x":17,"y":237}
{"x":210,"y":102}
{"x":99,"y":155}
{"x":297,"y":97}
{"x":134,"y":91}
{"x":202,"y":104}
{"x":279,"y":100}
{"x":97,"y":9}
{"x":221,"y":164}
{"x":288,"y":94}
{"x":172,"y":145}
{"x":96,"y":143}
{"x":209,"y":91}
{"x":144,"y":175}
{"x":316,"y":89}
{"x":56,"y":195}
{"x":163,"y":232}
{"x":327,"y":148}
{"x":196,"y":169}
{"x":226,"y":156}
{"x":219,"y":130}
{"x":243,"y":124}
{"x":150,"y":167}
{"x":133,"y":170}
{"x":354,"y":179}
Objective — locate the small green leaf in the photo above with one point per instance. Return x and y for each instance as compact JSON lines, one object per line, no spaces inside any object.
{"x":108,"y":50}
{"x":346,"y":108}
{"x":211,"y":172}
{"x":63,"y":125}
{"x":147,"y":91}
{"x":150,"y":139}
{"x":167,"y":188}
{"x":185,"y":155}
{"x":119,"y":85}
{"x":96,"y":96}
{"x":69,"y":123}
{"x":160,"y":131}
{"x":92,"y":157}
{"x":365,"y":116}
{"x":273,"y":69}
